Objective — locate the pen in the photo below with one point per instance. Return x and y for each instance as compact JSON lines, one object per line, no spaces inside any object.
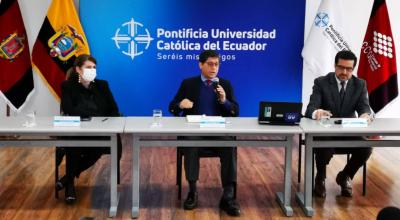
{"x":104,"y":120}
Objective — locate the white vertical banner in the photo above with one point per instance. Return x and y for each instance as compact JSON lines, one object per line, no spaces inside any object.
{"x":325,"y":39}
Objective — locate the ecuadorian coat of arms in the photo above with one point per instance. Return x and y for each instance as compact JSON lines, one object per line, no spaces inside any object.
{"x":11,"y":46}
{"x":65,"y":43}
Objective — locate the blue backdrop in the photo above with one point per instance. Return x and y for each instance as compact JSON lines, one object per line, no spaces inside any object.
{"x":145,"y":48}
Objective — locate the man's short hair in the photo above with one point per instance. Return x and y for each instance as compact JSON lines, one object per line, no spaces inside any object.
{"x":346,"y":55}
{"x":206,"y":54}
{"x":389,"y":212}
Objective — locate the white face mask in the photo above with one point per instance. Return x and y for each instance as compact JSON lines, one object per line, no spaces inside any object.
{"x":89,"y":74}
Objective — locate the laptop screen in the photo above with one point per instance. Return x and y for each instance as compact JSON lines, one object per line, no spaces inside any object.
{"x":280,"y":112}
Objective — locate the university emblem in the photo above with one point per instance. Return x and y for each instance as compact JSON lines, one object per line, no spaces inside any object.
{"x":65,"y":43}
{"x":11,"y":46}
{"x":321,"y":20}
{"x":132,"y":38}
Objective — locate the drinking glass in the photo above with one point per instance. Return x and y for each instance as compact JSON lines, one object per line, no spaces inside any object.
{"x":325,"y":120}
{"x":157,"y":115}
{"x":30,"y":119}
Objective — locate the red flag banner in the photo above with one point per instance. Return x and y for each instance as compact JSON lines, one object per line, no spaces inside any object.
{"x":378,"y":58}
{"x":16,"y":79}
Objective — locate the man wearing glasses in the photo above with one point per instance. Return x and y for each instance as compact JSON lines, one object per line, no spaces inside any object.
{"x":339,"y":94}
{"x":212,"y":96}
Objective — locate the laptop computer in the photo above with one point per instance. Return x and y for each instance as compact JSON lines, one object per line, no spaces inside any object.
{"x":280,"y":113}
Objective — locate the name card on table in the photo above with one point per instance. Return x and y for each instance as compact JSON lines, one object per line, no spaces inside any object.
{"x":354,"y":122}
{"x":212,"y":122}
{"x":67,"y":121}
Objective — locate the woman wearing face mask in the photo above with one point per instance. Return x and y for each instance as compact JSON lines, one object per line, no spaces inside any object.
{"x":84,"y":95}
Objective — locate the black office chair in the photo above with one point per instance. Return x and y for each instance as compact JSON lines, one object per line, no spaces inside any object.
{"x":203,"y":153}
{"x":60,"y":153}
{"x":302,"y":142}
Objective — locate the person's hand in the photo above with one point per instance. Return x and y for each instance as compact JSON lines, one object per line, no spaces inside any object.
{"x":221,"y":94}
{"x":321,"y":112}
{"x":366,"y":116}
{"x":186,"y":104}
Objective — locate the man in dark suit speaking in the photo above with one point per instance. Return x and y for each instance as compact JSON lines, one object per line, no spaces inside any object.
{"x":206,"y":94}
{"x":340,"y":95}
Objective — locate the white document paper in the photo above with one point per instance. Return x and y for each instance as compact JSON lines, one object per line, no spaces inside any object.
{"x":194,"y":118}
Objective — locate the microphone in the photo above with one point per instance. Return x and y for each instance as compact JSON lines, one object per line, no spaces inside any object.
{"x":215,"y":83}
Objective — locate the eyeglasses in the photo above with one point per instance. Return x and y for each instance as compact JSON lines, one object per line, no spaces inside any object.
{"x":211,"y":64}
{"x":342,"y":68}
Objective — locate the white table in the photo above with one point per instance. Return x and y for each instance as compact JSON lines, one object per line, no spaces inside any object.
{"x":42,"y":133}
{"x":313,"y":129}
{"x":241,"y":128}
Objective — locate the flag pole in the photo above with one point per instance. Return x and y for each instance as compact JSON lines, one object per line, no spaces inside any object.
{"x":8,"y":111}
{"x":8,"y":137}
